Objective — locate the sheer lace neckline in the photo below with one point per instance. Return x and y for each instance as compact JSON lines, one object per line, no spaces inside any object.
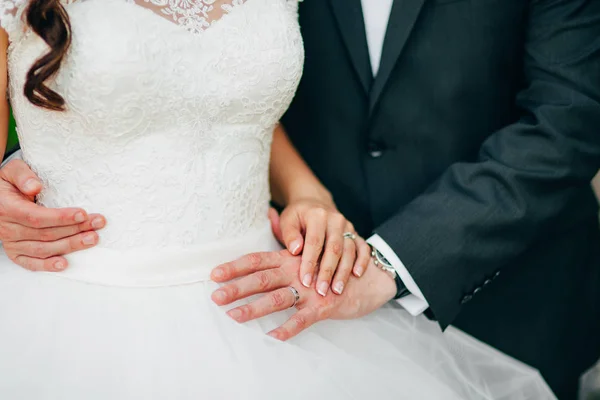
{"x":193,"y":15}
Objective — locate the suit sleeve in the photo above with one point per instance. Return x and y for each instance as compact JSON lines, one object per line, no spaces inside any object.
{"x":479,"y":217}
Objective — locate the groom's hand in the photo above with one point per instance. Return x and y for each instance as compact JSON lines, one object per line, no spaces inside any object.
{"x":36,"y":237}
{"x":272,"y":274}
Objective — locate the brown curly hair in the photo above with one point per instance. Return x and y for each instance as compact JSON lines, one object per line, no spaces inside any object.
{"x":49,"y":20}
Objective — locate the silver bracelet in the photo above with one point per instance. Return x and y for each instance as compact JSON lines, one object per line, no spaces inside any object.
{"x":381,"y":262}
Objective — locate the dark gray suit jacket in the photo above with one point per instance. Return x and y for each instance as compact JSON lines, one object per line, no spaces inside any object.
{"x":471,"y":154}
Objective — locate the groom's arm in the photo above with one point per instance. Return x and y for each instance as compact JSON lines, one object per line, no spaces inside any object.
{"x":480,"y":216}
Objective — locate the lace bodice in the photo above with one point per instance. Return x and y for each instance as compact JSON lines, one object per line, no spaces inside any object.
{"x":171,"y":106}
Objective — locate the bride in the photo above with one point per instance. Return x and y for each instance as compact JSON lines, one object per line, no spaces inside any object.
{"x":161,"y":114}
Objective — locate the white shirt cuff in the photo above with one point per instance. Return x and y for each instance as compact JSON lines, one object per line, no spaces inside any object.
{"x":415,"y":302}
{"x":17,"y":155}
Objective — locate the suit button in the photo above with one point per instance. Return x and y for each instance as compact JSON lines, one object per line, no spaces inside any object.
{"x":496,"y":274}
{"x":487,"y":282}
{"x":375,"y":149}
{"x":477,"y":290}
{"x":466,"y":299}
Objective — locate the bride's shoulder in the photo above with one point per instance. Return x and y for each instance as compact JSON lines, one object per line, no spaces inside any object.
{"x":12,"y":18}
{"x":11,"y":15}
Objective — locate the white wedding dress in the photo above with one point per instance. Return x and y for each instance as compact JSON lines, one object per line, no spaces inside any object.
{"x":170,"y":109}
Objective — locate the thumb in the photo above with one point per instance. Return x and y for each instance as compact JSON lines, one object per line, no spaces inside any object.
{"x":18,"y":174}
{"x":291,"y":229}
{"x":275,"y":224}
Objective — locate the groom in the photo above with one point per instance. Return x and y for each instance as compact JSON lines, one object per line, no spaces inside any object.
{"x":463,"y":135}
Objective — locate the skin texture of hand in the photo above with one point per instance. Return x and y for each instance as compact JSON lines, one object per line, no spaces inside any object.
{"x":37,"y":237}
{"x":271,"y":274}
{"x":316,"y":229}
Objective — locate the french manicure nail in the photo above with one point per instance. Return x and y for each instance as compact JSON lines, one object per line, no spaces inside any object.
{"x":31,"y":185}
{"x":339,"y":287}
{"x":295,"y":246}
{"x":79,"y":217}
{"x":235,"y":314}
{"x":307,"y":280}
{"x":60,"y":265}
{"x":359,"y":270}
{"x":89,"y":239}
{"x":322,"y":288}
{"x":98,"y":223}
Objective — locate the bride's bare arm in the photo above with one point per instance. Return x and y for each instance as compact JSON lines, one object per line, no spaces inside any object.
{"x":4,"y":108}
{"x":311,"y":223}
{"x":291,"y":178}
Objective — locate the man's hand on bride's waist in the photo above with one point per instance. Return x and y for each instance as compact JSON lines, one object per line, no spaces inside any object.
{"x":331,"y":250}
{"x":275,"y":275}
{"x":37,"y":237}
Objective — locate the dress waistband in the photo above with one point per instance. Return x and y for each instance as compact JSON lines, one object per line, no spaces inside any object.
{"x":163,"y":267}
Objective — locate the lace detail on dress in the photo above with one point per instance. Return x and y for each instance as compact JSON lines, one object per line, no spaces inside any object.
{"x":10,"y":14}
{"x":166,"y":133}
{"x":194,"y":15}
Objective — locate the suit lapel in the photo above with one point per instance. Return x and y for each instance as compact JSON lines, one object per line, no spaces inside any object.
{"x":351,"y":24}
{"x":403,"y":16}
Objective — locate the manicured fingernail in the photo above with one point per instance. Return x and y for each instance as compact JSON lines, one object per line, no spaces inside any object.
{"x":235,"y":314}
{"x":322,"y":288}
{"x":359,"y":270}
{"x":307,"y":280}
{"x":79,"y":217}
{"x":274,"y":335}
{"x":98,"y":223}
{"x":60,"y":265}
{"x":31,"y":185}
{"x":218,"y":273}
{"x":219,"y":295}
{"x":89,"y":239}
{"x":295,"y":246}
{"x":338,"y":287}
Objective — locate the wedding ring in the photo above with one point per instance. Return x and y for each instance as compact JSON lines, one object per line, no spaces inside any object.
{"x":296,"y":296}
{"x":350,"y":235}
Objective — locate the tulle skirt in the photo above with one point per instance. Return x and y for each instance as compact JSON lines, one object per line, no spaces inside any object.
{"x":142,"y":325}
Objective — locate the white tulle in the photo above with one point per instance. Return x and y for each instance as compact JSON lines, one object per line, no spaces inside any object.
{"x":87,"y":338}
{"x":167,"y":133}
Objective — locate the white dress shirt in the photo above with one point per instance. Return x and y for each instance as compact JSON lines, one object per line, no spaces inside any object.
{"x":377,"y":15}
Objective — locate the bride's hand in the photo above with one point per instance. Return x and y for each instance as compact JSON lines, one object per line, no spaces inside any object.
{"x":316,"y":229}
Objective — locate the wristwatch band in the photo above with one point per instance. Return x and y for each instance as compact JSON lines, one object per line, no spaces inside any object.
{"x":401,"y":290}
{"x":381,"y":262}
